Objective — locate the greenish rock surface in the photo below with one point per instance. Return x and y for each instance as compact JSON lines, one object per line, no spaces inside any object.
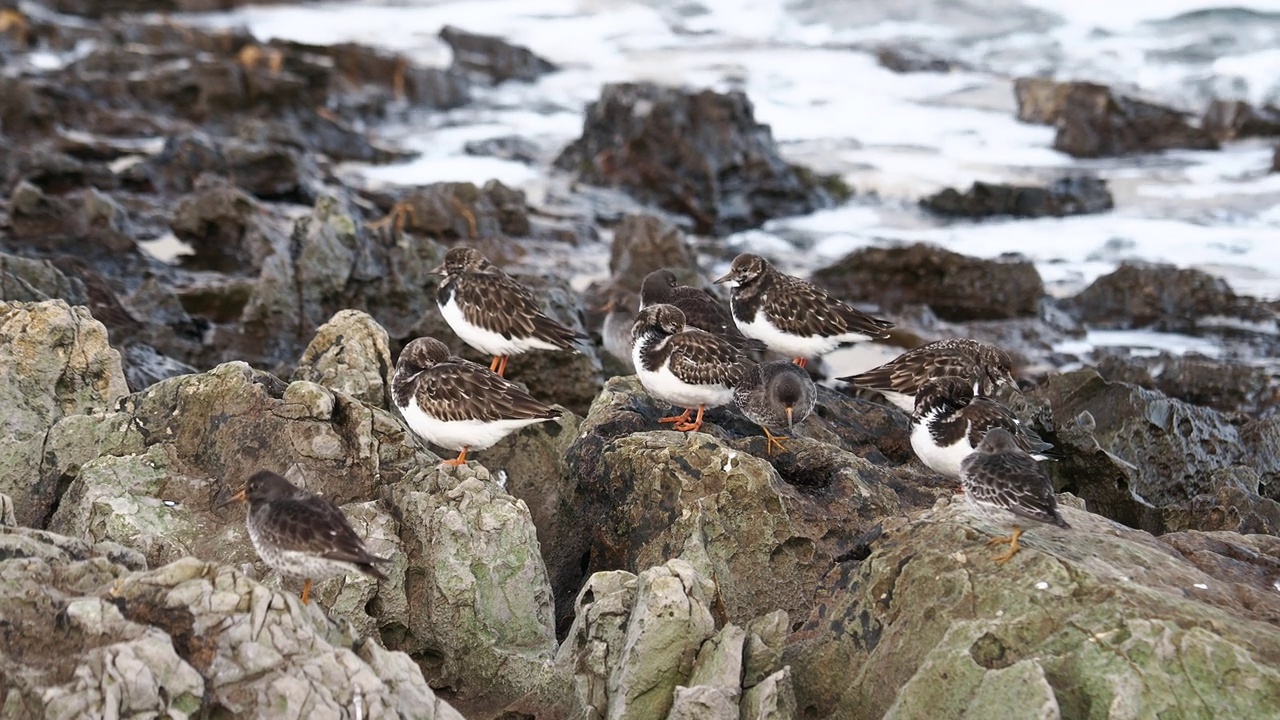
{"x":1099,"y":621}
{"x":54,"y":363}
{"x":350,"y":354}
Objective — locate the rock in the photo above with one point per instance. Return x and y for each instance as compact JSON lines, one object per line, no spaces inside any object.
{"x":1066,"y":196}
{"x":144,"y":367}
{"x":1180,"y":466}
{"x":350,"y":354}
{"x":448,"y":211}
{"x":55,"y":363}
{"x":591,"y":648}
{"x":1275,"y":161}
{"x":1222,"y":385}
{"x":1162,"y":297}
{"x":218,"y":222}
{"x":89,"y":636}
{"x":764,"y":531}
{"x":485,"y":58}
{"x":505,"y":147}
{"x":24,"y":280}
{"x":265,"y":171}
{"x":55,"y":172}
{"x":644,"y":243}
{"x":701,"y":154}
{"x":26,"y":111}
{"x":957,"y":287}
{"x":1041,"y":101}
{"x":393,"y":77}
{"x":772,"y":699}
{"x":1235,"y":120}
{"x":1099,"y":616}
{"x":910,"y":59}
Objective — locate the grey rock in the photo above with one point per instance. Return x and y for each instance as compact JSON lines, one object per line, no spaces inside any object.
{"x":26,"y":280}
{"x":54,"y":363}
{"x":644,"y":243}
{"x":702,"y":703}
{"x":144,"y":367}
{"x":764,"y":642}
{"x":492,"y":59}
{"x":350,"y":354}
{"x":772,"y":699}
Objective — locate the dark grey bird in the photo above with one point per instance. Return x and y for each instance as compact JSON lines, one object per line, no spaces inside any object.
{"x":457,"y":404}
{"x":776,"y":394}
{"x":791,"y":316}
{"x":300,"y":534}
{"x":492,"y":312}
{"x":950,"y":422}
{"x":684,"y":366}
{"x":1006,"y":485}
{"x":615,"y":333}
{"x":701,"y":309}
{"x":898,"y":380}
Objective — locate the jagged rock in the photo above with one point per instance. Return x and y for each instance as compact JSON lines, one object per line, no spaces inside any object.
{"x":1094,"y":121}
{"x":1164,"y":297}
{"x":1235,"y":120}
{"x":1067,"y":196}
{"x":448,"y":211}
{"x":25,"y":280}
{"x":1220,"y":384}
{"x":144,"y":367}
{"x":486,"y":58}
{"x":957,"y":287}
{"x":701,"y":154}
{"x":88,"y":637}
{"x":773,"y":699}
{"x":506,"y":147}
{"x":1167,"y":465}
{"x":590,"y":651}
{"x":265,"y":171}
{"x":54,"y":172}
{"x":644,"y":243}
{"x":218,"y":222}
{"x":765,"y":532}
{"x":1098,"y":616}
{"x":350,"y":354}
{"x":55,"y":363}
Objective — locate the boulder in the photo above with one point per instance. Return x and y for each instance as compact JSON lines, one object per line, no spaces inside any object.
{"x":90,"y":636}
{"x":1235,"y":120}
{"x":1223,"y":385}
{"x":463,"y":211}
{"x":218,"y":222}
{"x":264,"y":171}
{"x":1067,"y":196}
{"x":350,"y":354}
{"x":54,"y":363}
{"x":1098,"y":616}
{"x":957,"y":287}
{"x":1163,"y":297}
{"x":702,"y":155}
{"x":644,"y":243}
{"x":26,"y":280}
{"x":490,"y":59}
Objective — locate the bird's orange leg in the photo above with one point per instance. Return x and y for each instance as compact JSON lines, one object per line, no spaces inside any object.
{"x":493,"y":364}
{"x":306,"y":592}
{"x":502,"y":366}
{"x":678,"y":419}
{"x":460,"y":460}
{"x":801,"y":361}
{"x":694,"y":426}
{"x":772,"y":441}
{"x":1012,"y":541}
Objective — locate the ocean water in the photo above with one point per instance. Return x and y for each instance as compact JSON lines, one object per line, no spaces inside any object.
{"x":809,"y":67}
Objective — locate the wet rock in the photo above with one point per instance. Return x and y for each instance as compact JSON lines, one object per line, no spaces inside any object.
{"x":56,"y":363}
{"x":910,"y":59}
{"x":265,"y":171}
{"x":55,"y":172}
{"x":957,"y":287}
{"x":1094,"y":121}
{"x":644,"y":243}
{"x":506,"y":147}
{"x":1066,"y":196}
{"x":25,"y":280}
{"x":144,"y":367}
{"x":490,"y":59}
{"x":218,"y":222}
{"x":1168,"y":465}
{"x":701,"y":154}
{"x":350,"y":354}
{"x":763,"y":530}
{"x":1235,"y":120}
{"x":1097,"y":616}
{"x":448,"y":211}
{"x":26,"y":111}
{"x":1222,"y":385}
{"x":1163,"y":297}
{"x":88,"y":635}
{"x":363,"y":67}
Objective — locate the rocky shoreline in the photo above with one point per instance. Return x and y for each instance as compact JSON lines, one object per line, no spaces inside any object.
{"x":597,"y":565}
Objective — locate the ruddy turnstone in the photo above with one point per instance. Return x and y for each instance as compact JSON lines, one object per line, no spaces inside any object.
{"x":775,"y":394}
{"x":898,"y":380}
{"x":949,"y":422}
{"x":615,"y":332}
{"x":492,"y":312}
{"x":300,"y":534}
{"x":687,"y":367}
{"x":1006,"y":485}
{"x":457,"y":404}
{"x":701,"y":309}
{"x":791,"y":316}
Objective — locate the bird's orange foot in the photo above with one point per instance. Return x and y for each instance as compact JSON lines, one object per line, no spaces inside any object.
{"x":801,"y":361}
{"x":460,"y":460}
{"x":682,"y":418}
{"x":773,"y":442}
{"x":1011,"y":541}
{"x":306,"y":592}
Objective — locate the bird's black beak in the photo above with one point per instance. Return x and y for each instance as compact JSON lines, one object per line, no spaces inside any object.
{"x":437,"y":270}
{"x":731,"y":275}
{"x":238,"y":497}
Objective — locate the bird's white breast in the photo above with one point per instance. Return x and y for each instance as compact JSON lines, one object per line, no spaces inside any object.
{"x":457,"y":434}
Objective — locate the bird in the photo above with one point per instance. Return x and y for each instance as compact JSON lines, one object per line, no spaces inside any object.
{"x":687,"y":367}
{"x":620,"y":314}
{"x":492,"y":312}
{"x":1004,"y":484}
{"x":898,"y":380}
{"x":302,"y":535}
{"x":701,"y":309}
{"x":458,"y":404}
{"x":949,"y":422}
{"x":775,"y":394}
{"x":791,"y":316}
